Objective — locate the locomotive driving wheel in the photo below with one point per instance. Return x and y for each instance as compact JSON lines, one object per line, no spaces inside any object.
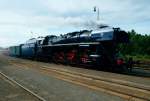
{"x":59,"y":57}
{"x":71,"y":57}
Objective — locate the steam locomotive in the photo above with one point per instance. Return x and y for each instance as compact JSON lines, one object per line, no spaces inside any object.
{"x":97,"y":48}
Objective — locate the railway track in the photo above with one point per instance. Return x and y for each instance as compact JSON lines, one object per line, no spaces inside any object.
{"x":22,"y":87}
{"x":128,"y":90}
{"x":143,"y":68}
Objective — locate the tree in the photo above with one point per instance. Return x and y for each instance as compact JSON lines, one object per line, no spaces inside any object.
{"x":139,"y":44}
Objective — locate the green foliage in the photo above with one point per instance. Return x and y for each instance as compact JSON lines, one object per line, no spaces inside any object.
{"x":143,"y":58}
{"x":139,"y":45}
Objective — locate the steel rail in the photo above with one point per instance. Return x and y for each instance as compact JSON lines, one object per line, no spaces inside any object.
{"x":21,"y":86}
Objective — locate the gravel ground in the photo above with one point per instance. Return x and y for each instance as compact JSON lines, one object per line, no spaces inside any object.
{"x":136,"y":76}
{"x":11,"y":92}
{"x":53,"y":89}
{"x":50,"y":88}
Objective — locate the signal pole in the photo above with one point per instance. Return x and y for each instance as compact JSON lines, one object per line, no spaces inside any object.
{"x":31,"y":34}
{"x":97,"y":10}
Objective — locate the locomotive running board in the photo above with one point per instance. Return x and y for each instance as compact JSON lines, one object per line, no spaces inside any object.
{"x":91,"y":43}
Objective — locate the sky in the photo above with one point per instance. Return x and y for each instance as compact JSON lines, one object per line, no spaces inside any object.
{"x":21,"y":20}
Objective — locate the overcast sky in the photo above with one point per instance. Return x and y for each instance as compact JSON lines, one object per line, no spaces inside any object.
{"x":23,"y":19}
